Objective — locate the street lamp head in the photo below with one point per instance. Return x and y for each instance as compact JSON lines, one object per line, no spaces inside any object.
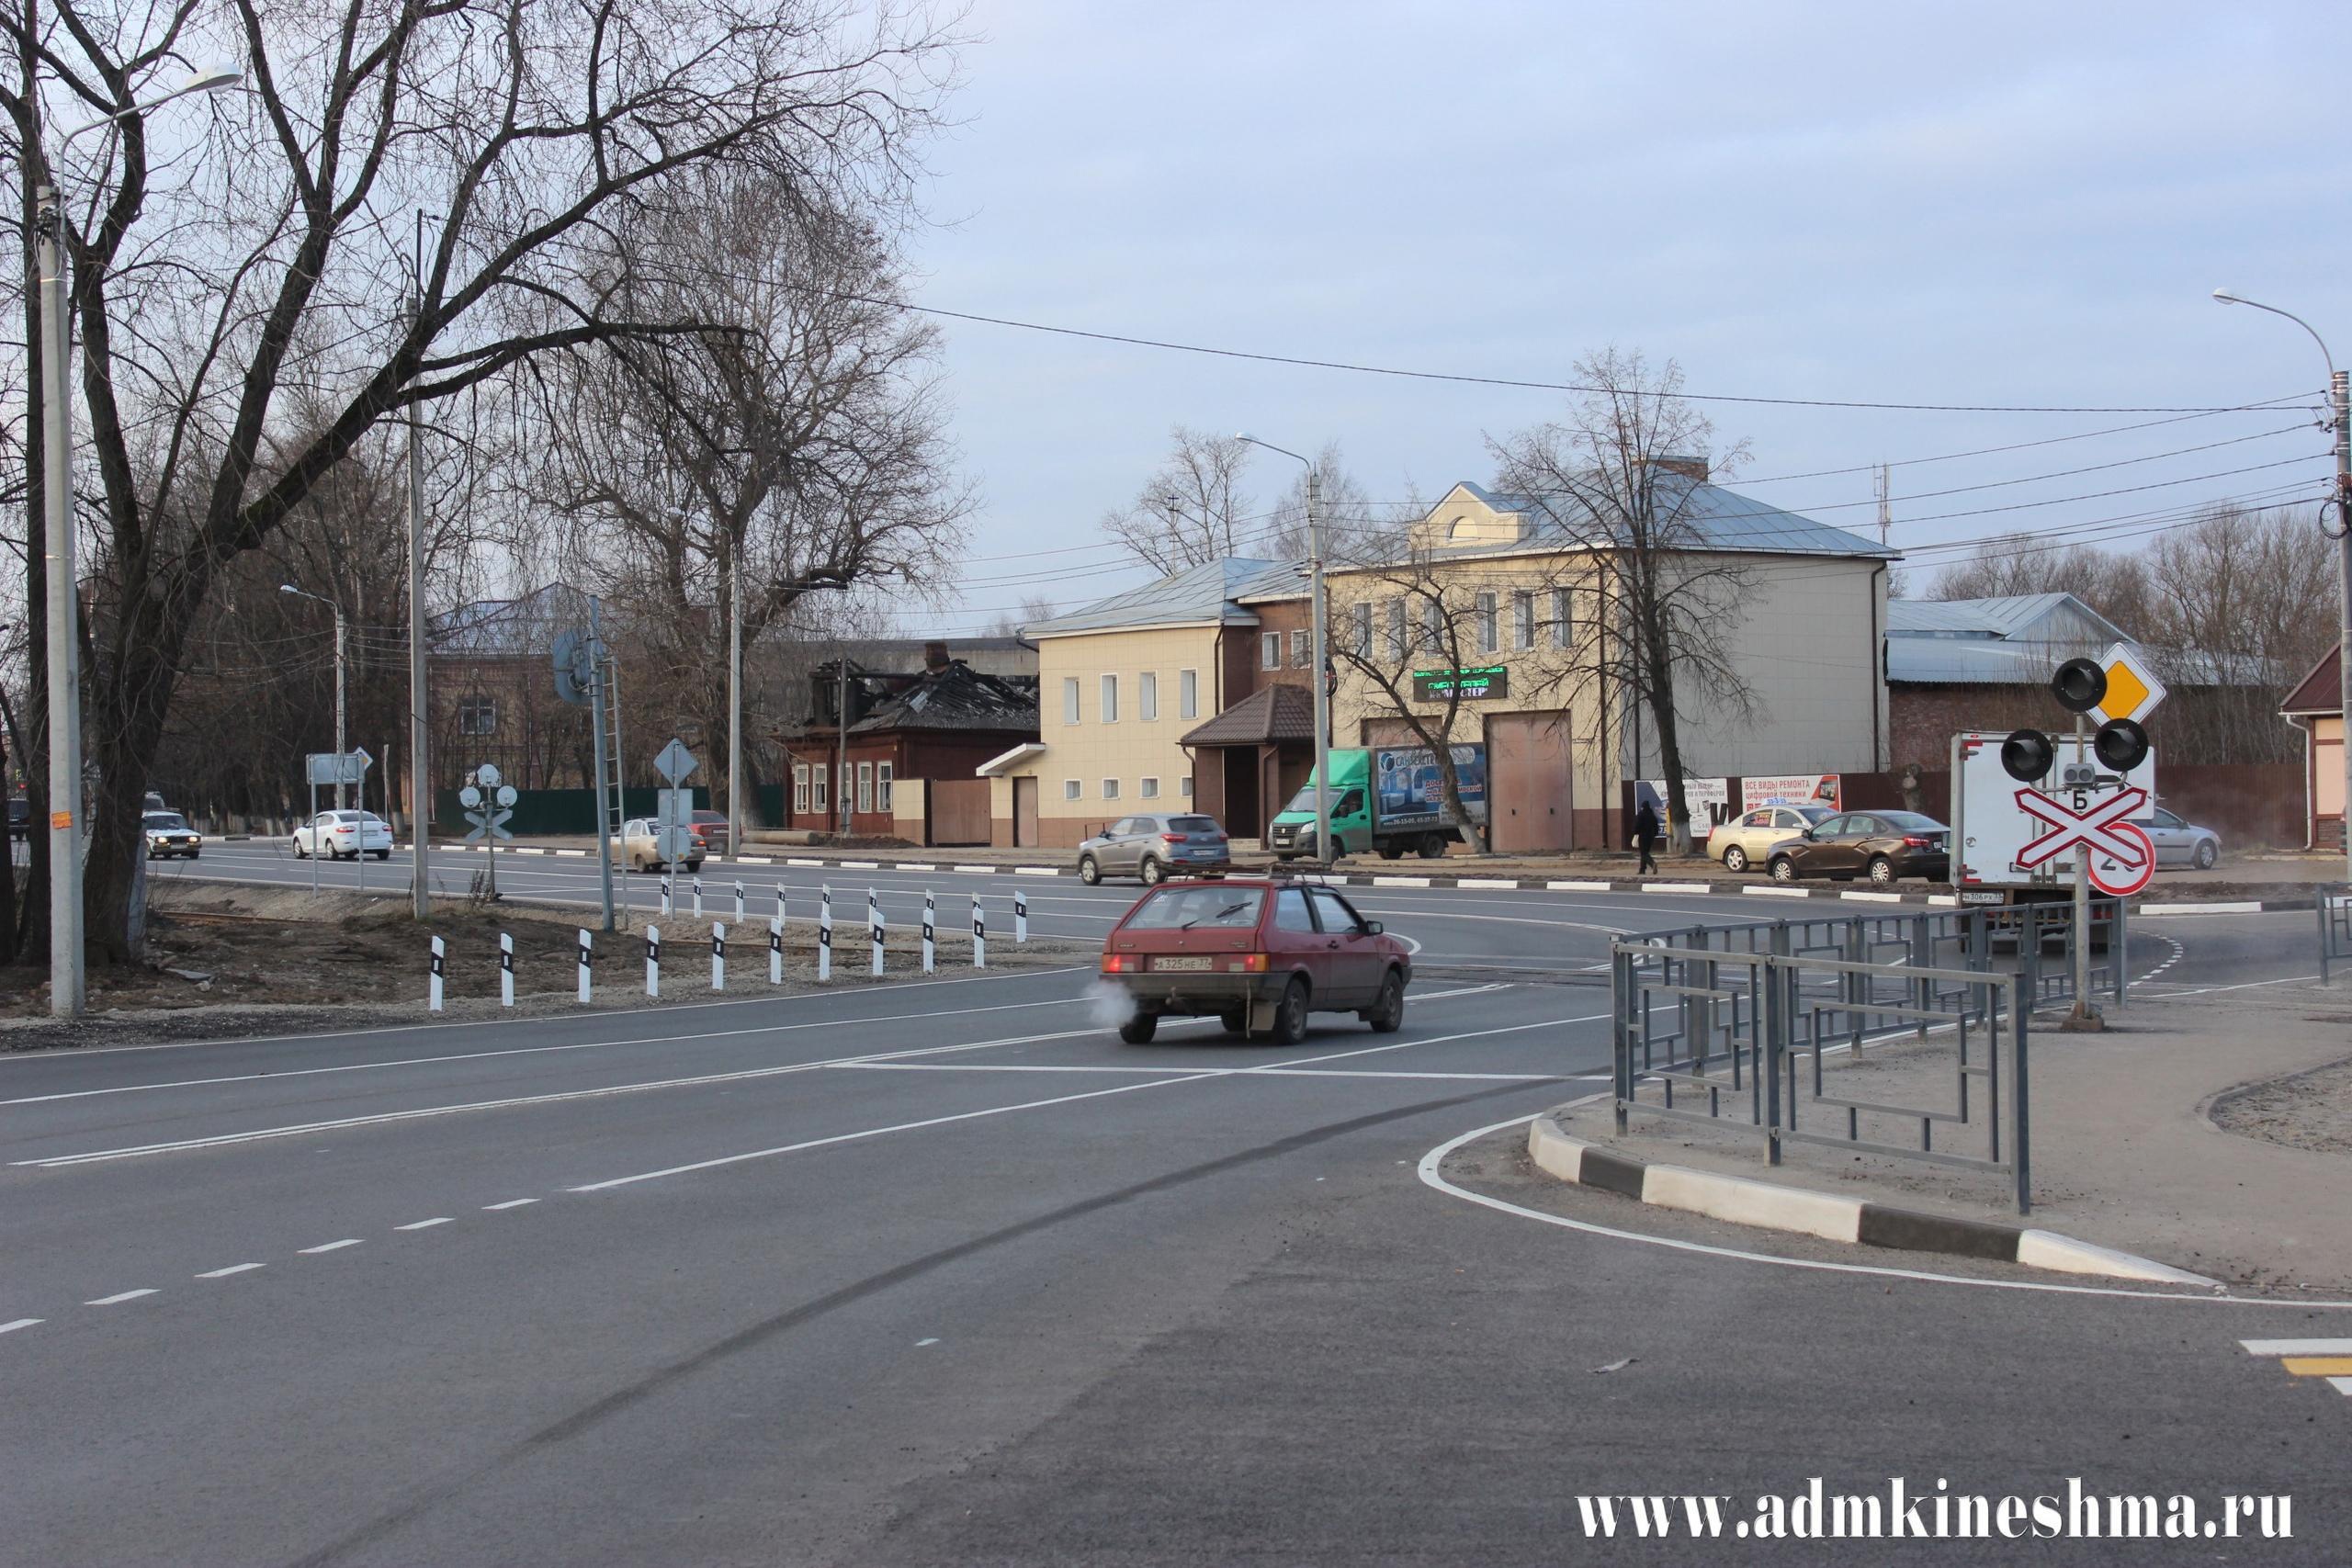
{"x":1243,"y":435}
{"x":213,"y":79}
{"x":288,"y":588}
{"x":2223,"y":296}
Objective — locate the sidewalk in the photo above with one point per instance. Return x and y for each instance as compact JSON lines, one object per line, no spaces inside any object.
{"x":2129,"y":1142}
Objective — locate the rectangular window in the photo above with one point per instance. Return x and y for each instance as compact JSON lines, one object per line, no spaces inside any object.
{"x":1149,"y":789}
{"x":1148,"y":696}
{"x":1396,"y":628}
{"x":1110,"y":789}
{"x":477,"y":716}
{"x":883,"y":773}
{"x":1110,"y":700}
{"x":866,"y":786}
{"x":1360,"y":634}
{"x":1188,"y":692}
{"x":799,"y":788}
{"x":1300,"y":646}
{"x":1069,"y":700}
{"x":1184,"y":786}
{"x":1432,"y":625}
{"x":1563,"y":626}
{"x":820,"y":802}
{"x":1523,"y":620}
{"x":1070,"y":789}
{"x":1488,"y":637}
{"x":1270,"y":650}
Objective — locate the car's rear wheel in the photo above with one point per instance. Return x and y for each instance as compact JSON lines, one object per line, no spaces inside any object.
{"x":1234,"y":1023}
{"x":1151,"y":871}
{"x":1392,"y":851}
{"x":1431,"y":847}
{"x":1290,"y":1013}
{"x":381,"y":854}
{"x":1784,"y":870}
{"x":1388,"y":1014}
{"x":1734,"y":859}
{"x":1138,"y":1029}
{"x":1881,"y":872}
{"x":2208,"y":853}
{"x":1088,"y":871}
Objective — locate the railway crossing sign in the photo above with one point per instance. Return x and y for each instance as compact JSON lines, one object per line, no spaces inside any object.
{"x":2122,"y":857}
{"x":487,"y":801}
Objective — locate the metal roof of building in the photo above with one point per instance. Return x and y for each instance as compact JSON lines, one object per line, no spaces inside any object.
{"x":1279,"y":712}
{"x":2320,"y":691}
{"x":1722,"y":520}
{"x":1199,"y":594}
{"x":2002,"y":617}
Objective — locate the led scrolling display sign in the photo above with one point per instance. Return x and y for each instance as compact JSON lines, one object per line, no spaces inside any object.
{"x":1470,"y":685}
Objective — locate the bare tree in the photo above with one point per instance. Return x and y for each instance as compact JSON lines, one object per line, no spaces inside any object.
{"x":2113,"y":585}
{"x":273,"y":254}
{"x":1192,"y":508}
{"x":1609,"y":483}
{"x":1034,"y":607}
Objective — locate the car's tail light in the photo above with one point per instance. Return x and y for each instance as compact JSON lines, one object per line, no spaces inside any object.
{"x":1913,"y":841}
{"x":1123,"y":963}
{"x":1252,"y":963}
{"x":1172,"y":838}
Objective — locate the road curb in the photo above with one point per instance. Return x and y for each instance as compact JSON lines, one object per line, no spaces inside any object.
{"x":1771,"y":1205}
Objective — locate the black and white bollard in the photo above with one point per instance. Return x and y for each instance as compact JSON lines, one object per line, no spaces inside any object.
{"x":665,"y":896}
{"x":433,"y":999}
{"x":979,"y":934}
{"x":653,"y":960}
{"x":738,"y":903}
{"x":505,"y":970}
{"x":1020,"y":915}
{"x":718,"y":956}
{"x":873,"y":927}
{"x":930,"y":934}
{"x":776,"y":949}
{"x":824,"y":933}
{"x":697,"y":898}
{"x":587,"y":959}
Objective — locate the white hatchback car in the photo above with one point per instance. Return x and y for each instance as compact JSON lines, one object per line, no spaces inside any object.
{"x":344,"y":835}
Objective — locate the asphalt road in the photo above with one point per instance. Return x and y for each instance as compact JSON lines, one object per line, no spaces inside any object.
{"x":946,"y":1274}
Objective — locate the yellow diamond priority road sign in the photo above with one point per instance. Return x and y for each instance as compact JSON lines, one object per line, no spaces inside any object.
{"x":2132,"y":689}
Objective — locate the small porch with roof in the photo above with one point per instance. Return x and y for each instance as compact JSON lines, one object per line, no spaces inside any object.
{"x":1249,"y":760}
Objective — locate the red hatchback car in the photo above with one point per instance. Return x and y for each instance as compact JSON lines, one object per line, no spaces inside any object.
{"x":1261,"y":955}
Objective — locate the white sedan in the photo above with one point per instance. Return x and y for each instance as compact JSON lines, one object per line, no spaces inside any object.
{"x":344,"y":835}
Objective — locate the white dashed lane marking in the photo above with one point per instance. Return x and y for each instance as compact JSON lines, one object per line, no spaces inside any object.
{"x":331,"y":1245}
{"x":20,"y":1322}
{"x":119,"y":1297}
{"x":423,"y":1224}
{"x":233,"y":1268}
{"x":510,"y":1203}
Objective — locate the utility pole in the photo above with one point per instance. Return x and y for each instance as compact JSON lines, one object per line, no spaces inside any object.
{"x":420,"y":802}
{"x":598,"y":697}
{"x":64,"y":600}
{"x":841,"y":741}
{"x":1883,"y":484}
{"x":735,"y":695}
{"x":1322,"y":660}
{"x":2340,"y":396}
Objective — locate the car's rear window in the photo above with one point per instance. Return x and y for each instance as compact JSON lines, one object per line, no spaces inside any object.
{"x":1910,"y":822}
{"x":1195,"y":908}
{"x":1191,"y":824}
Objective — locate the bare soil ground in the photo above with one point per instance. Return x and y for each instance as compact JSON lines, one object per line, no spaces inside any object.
{"x":2305,"y":1110}
{"x":225,"y":961}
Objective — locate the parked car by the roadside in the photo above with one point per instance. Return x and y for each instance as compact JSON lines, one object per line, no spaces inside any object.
{"x":1882,"y":845}
{"x":168,"y":834}
{"x":1260,"y":954}
{"x":2180,"y":842}
{"x":344,"y":835}
{"x":1153,"y":846}
{"x":1749,"y":840}
{"x":640,"y":847}
{"x":709,"y":829}
{"x":155,"y":802}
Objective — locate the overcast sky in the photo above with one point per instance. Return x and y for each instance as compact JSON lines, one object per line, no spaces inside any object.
{"x":1980,"y":204}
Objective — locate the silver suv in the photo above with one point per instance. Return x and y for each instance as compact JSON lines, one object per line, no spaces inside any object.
{"x":1152,"y":846}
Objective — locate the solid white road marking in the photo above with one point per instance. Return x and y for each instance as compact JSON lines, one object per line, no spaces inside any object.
{"x":1430,"y":1178}
{"x":233,"y":1268}
{"x":1145,"y":1072}
{"x":423,"y":1224}
{"x":510,"y":1203}
{"x":1196,"y":1075}
{"x":20,"y":1322}
{"x":2298,"y":1346}
{"x":119,"y":1297}
{"x":329,"y":1246}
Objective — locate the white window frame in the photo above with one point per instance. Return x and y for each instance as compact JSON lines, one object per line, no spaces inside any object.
{"x":1148,"y":788}
{"x":1270,"y":650}
{"x":1562,"y":617}
{"x":1490,"y":630}
{"x":1433,"y":625}
{"x":1360,"y":618}
{"x":477,"y":716}
{"x":1110,"y":714}
{"x":1523,"y":620}
{"x":1070,"y":699}
{"x":1188,"y":694}
{"x":1110,"y":789}
{"x":865,"y":787}
{"x":1300,"y":646}
{"x":821,"y":801}
{"x":1148,"y":696}
{"x":1396,"y":631}
{"x":1184,"y":786}
{"x":884,"y":774}
{"x":799,"y":789}
{"x":1073,"y":790}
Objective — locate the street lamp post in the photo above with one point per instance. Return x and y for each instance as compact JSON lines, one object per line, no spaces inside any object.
{"x":1322,"y":655}
{"x":2339,"y":397}
{"x":341,"y":745}
{"x":62,"y":597}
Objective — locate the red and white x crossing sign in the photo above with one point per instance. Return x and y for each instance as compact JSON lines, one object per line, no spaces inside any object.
{"x":2123,"y":858}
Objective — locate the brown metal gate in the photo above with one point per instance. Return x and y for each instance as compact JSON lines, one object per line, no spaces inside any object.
{"x":959,"y":811}
{"x":1528,"y":792}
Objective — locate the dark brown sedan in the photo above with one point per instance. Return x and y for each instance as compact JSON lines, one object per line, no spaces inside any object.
{"x":1881,"y":845}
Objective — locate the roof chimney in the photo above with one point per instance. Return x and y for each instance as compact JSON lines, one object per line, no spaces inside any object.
{"x":1685,"y":464}
{"x":934,"y":656}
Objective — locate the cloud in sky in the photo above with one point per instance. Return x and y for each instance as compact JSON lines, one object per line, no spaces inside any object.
{"x":1996,"y":203}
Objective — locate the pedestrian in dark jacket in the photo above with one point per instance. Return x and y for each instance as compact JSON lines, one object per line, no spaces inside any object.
{"x":1646,"y":836}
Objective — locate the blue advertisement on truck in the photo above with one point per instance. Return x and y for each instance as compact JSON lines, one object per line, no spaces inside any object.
{"x":1390,"y":800}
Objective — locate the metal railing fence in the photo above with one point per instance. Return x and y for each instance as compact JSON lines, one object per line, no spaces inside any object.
{"x":2335,"y":931}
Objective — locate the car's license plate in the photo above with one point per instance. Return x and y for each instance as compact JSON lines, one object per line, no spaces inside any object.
{"x":1180,"y":964}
